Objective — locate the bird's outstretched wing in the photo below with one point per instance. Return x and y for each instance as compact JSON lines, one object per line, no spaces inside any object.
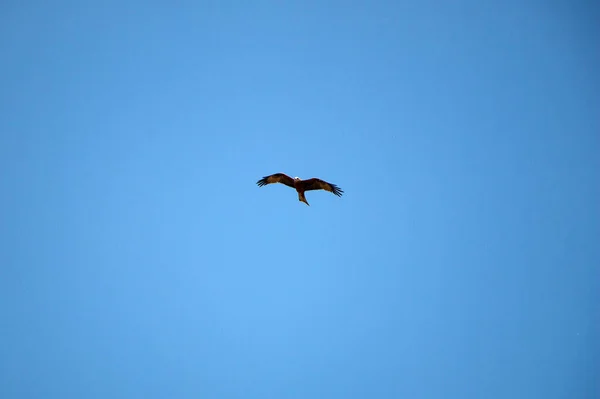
{"x":318,"y":184}
{"x":276,"y":178}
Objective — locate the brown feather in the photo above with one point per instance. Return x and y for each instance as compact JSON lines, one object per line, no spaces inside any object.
{"x":276,"y":178}
{"x":318,"y":184}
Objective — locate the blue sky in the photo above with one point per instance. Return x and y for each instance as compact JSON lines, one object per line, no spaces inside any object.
{"x":140,"y":260}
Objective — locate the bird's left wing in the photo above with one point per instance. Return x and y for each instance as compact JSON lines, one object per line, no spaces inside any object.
{"x":318,"y":184}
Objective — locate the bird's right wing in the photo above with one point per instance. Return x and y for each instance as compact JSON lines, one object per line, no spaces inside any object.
{"x":276,"y":178}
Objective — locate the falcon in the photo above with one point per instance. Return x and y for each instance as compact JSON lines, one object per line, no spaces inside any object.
{"x":300,"y":185}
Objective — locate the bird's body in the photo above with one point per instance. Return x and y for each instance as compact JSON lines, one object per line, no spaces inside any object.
{"x":300,"y":185}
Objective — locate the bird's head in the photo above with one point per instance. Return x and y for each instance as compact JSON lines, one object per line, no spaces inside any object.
{"x":296,"y":178}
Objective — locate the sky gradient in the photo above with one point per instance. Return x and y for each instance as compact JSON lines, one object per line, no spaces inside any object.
{"x":138,"y":258}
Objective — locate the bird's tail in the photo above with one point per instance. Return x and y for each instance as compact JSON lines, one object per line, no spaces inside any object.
{"x":302,"y":198}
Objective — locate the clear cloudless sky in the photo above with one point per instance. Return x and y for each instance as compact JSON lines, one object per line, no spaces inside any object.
{"x":138,"y":258}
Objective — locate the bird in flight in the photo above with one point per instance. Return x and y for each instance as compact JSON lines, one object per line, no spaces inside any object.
{"x":300,"y":185}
